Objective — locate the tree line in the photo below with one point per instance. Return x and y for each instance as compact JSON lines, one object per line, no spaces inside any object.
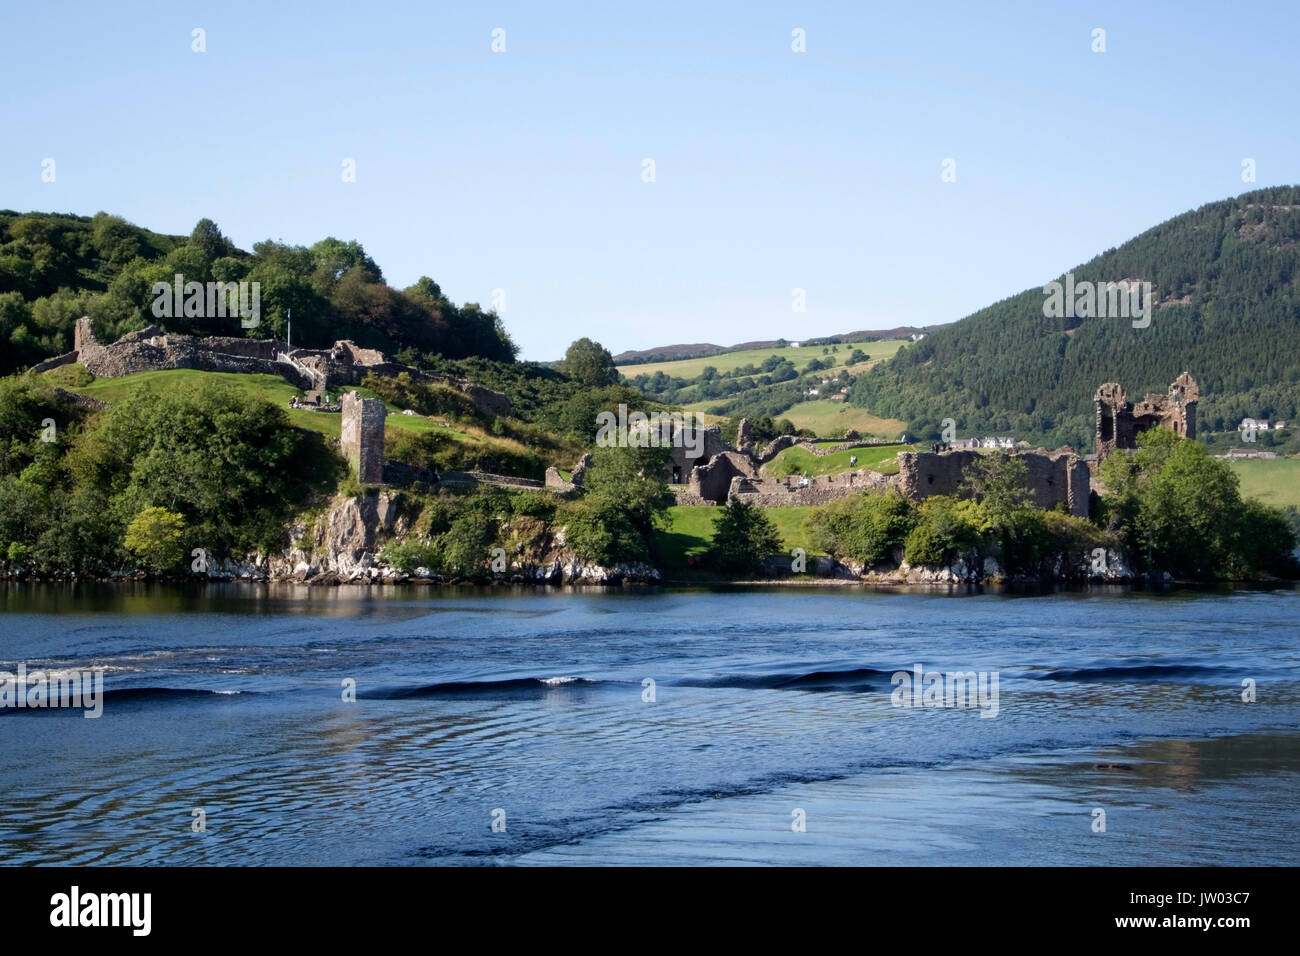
{"x":56,"y":268}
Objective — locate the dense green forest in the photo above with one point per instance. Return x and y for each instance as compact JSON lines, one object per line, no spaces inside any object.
{"x":1228,"y":310}
{"x":55,"y":268}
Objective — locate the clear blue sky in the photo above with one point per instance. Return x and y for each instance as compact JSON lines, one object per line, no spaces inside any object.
{"x":774,"y":170}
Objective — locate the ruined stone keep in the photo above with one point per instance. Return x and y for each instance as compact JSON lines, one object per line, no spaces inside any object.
{"x":1119,"y":421}
{"x":1059,"y":478}
{"x":361,"y":437}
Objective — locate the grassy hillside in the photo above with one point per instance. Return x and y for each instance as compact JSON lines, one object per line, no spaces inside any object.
{"x":799,"y":461}
{"x":1273,"y":481}
{"x":764,"y":382}
{"x":271,"y":387}
{"x":829,"y":417}
{"x":690,"y":531}
{"x":459,"y":444}
{"x":728,"y":361}
{"x":1225,"y":281}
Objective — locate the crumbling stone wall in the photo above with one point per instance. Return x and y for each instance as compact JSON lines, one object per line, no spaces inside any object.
{"x":1120,"y":421}
{"x":361,"y":436}
{"x":1059,"y":478}
{"x":705,"y":443}
{"x":345,"y":363}
{"x":821,"y":490}
{"x":744,"y":435}
{"x":712,"y":482}
{"x":778,"y":445}
{"x":555,"y":481}
{"x":782,"y":442}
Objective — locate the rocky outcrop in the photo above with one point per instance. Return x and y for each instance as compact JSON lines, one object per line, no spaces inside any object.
{"x":346,"y":545}
{"x":343,"y":545}
{"x":81,"y":401}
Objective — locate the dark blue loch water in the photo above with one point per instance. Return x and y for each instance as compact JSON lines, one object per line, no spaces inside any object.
{"x":772,"y":709}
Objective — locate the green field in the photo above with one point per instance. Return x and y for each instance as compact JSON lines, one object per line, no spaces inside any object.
{"x":690,"y":530}
{"x":799,"y":461}
{"x":829,"y":417}
{"x":800,"y":357}
{"x":270,"y":387}
{"x":1274,"y":481}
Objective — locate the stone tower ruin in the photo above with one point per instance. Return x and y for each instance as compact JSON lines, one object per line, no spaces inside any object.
{"x":1120,"y":421}
{"x":361,"y":436}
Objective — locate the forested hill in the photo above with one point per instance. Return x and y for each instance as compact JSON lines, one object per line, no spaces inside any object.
{"x":55,"y":268}
{"x":1228,"y":311}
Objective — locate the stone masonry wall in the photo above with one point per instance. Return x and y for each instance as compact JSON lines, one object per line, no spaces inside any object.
{"x":1062,"y":478}
{"x":712,"y":482}
{"x":361,"y":436}
{"x":823,"y":489}
{"x":346,"y":363}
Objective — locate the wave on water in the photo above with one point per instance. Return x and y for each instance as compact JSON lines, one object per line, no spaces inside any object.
{"x":1148,"y":671}
{"x":167,"y":693}
{"x":136,"y":694}
{"x":848,"y":679}
{"x":510,"y":687}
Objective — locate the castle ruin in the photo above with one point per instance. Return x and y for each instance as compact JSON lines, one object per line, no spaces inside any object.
{"x":1060,"y":477}
{"x":344,"y":363}
{"x":1120,"y":421}
{"x":361,"y":436}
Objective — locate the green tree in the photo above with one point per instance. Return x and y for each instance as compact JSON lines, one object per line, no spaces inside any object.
{"x":944,"y":531}
{"x":865,"y":528}
{"x":1180,"y":511}
{"x":626,"y":499}
{"x":999,"y":482}
{"x":154,"y":537}
{"x":229,"y":463}
{"x":743,"y":536}
{"x":590,"y":364}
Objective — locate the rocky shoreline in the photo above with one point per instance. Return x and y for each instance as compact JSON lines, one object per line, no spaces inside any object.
{"x":345,"y":546}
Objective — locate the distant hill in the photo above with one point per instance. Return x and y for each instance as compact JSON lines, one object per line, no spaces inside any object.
{"x":672,"y":353}
{"x":1228,"y":311}
{"x":668,"y":353}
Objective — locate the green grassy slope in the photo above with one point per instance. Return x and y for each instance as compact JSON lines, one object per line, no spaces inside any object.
{"x":800,"y":357}
{"x":798,"y":461}
{"x":690,"y":531}
{"x":1273,"y":481}
{"x":270,"y":387}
